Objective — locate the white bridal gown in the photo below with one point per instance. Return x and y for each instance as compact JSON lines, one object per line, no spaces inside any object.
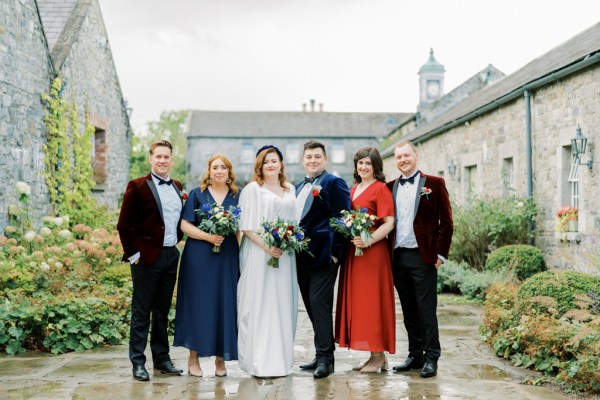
{"x":267,"y":297}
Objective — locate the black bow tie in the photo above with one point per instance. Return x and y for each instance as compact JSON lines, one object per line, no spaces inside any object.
{"x":310,"y":180}
{"x":410,"y":180}
{"x":161,"y":181}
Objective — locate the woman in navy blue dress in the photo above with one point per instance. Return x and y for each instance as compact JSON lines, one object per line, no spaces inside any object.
{"x":206,"y":318}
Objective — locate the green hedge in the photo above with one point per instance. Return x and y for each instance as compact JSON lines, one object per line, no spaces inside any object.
{"x":562,"y":286}
{"x":521,"y":260}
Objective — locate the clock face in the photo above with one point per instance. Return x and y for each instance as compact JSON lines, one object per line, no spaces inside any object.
{"x":433,"y":88}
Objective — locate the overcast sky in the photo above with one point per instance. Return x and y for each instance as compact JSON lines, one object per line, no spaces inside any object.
{"x":350,"y":55}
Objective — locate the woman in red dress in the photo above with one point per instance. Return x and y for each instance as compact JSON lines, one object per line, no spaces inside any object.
{"x":365,"y":316}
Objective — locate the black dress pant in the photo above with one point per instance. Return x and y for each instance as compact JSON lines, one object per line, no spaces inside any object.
{"x":153,"y":287}
{"x":416,"y":283}
{"x":316,"y":287}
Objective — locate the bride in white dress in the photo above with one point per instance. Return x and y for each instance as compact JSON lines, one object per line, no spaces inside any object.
{"x":267,"y":297}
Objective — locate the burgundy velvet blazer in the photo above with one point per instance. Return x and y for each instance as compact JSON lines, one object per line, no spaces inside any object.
{"x":433,"y":224}
{"x":141,"y":226}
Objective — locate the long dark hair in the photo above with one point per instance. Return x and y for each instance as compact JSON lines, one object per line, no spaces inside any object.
{"x":376,"y":163}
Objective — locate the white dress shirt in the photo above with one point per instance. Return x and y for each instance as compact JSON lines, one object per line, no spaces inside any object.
{"x":405,"y":213}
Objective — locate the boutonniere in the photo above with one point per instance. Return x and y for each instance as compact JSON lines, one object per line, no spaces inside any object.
{"x":425,"y":191}
{"x":316,"y":190}
{"x":183,"y":194}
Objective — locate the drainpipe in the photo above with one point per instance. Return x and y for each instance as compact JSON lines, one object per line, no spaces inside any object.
{"x":531,"y":224}
{"x":528,"y":138}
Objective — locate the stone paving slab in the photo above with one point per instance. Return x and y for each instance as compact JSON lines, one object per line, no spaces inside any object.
{"x":467,"y":370}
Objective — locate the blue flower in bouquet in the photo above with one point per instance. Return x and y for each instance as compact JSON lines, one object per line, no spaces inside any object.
{"x":357,"y":222}
{"x":285,"y":235}
{"x":217,"y":220}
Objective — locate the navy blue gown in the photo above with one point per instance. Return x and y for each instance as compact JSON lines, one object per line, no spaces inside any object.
{"x":206,"y":311}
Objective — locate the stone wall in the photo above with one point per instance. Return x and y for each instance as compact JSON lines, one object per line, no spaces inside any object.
{"x":91,"y":82}
{"x":25,"y":73}
{"x":480,"y":147}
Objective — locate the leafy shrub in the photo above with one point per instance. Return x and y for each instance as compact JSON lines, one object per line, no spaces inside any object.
{"x":459,"y":278}
{"x":538,"y":336}
{"x":61,"y":289}
{"x":521,"y":260}
{"x":483,"y":225}
{"x":475,"y":284}
{"x":450,"y":275}
{"x":117,"y":275}
{"x":562,"y":286}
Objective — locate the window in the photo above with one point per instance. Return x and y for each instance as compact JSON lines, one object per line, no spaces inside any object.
{"x":292,"y":153}
{"x":470,"y":181}
{"x":247,"y":153}
{"x":338,"y":153}
{"x":99,"y":154}
{"x":573,"y":179}
{"x":508,"y":184}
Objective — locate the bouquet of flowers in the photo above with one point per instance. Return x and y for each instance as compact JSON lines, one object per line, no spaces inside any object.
{"x":354,"y":223}
{"x":284,"y":235}
{"x":564,"y":215}
{"x":219,"y":221}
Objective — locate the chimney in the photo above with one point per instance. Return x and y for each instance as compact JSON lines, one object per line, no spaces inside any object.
{"x":303,"y":107}
{"x":312,"y":105}
{"x":320,"y":107}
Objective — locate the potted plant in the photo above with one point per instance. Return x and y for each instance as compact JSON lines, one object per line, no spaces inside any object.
{"x":566,"y":219}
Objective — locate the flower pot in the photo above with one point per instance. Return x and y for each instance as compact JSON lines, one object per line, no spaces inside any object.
{"x":572,"y":226}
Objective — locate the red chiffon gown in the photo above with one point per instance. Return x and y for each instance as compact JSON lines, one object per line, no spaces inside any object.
{"x":365,"y":313}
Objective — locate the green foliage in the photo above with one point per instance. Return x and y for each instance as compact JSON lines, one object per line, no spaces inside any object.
{"x":523,"y":261}
{"x":459,"y":278}
{"x":63,"y":323}
{"x":117,"y":275}
{"x":61,"y":289}
{"x":70,"y":186}
{"x":57,"y":163}
{"x":562,"y":286}
{"x":170,"y":126}
{"x":529,"y":329}
{"x":483,"y":225}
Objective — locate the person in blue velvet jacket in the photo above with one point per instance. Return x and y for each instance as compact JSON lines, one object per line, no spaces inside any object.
{"x":319,"y":197}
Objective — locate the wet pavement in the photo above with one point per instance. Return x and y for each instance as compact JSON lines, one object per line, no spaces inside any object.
{"x":467,"y":370}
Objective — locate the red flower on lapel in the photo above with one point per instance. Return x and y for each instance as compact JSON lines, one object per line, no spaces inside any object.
{"x":316,"y":190}
{"x":425,"y":191}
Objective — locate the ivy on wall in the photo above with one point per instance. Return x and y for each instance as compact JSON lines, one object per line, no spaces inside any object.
{"x":68,"y":168}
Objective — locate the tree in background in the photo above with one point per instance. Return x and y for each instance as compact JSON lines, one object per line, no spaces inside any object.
{"x":170,"y":126}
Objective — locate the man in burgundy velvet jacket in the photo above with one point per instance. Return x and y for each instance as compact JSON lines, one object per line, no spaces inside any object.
{"x":421,"y":243}
{"x":149,"y":230}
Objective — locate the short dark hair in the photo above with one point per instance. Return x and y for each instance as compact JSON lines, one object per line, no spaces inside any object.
{"x":161,"y":143}
{"x":313,"y":144}
{"x":376,"y":162}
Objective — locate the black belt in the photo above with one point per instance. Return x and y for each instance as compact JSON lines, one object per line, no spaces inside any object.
{"x":169,"y":247}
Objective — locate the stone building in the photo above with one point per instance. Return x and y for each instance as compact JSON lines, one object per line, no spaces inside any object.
{"x":240,"y":134}
{"x":39,"y":40}
{"x":514,"y":137}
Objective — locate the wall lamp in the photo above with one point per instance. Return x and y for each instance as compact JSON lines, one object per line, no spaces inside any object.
{"x":452,"y":169}
{"x":579,"y":145}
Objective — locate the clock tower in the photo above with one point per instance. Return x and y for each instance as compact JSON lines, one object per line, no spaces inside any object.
{"x":431,"y":81}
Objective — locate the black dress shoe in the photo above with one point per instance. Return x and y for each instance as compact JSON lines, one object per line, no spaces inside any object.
{"x":140,"y":373}
{"x":311,"y":365}
{"x":429,"y":369}
{"x":168,"y":368}
{"x":323,"y":370}
{"x":410,"y":363}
